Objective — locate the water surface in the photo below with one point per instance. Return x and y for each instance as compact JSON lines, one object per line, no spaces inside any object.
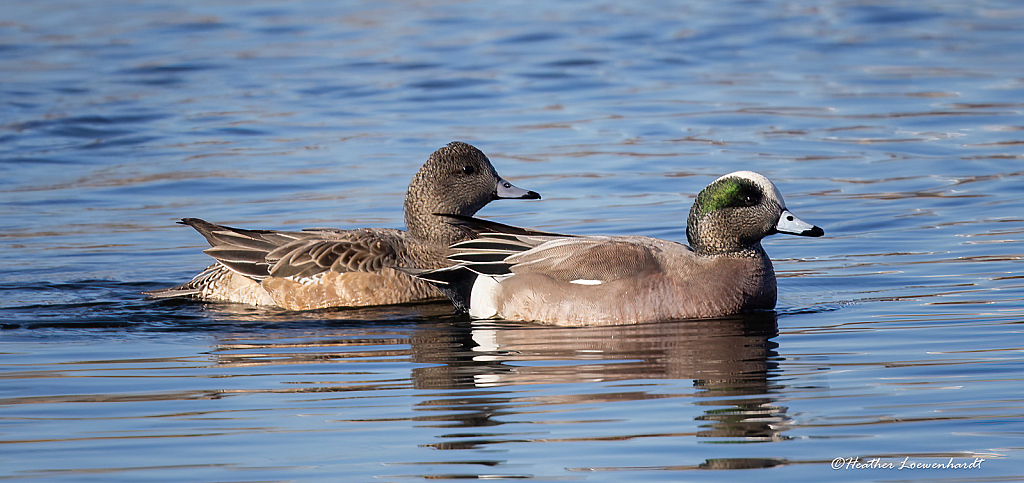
{"x":896,"y":126}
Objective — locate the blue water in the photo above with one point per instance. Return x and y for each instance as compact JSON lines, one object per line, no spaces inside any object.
{"x":896,"y":126}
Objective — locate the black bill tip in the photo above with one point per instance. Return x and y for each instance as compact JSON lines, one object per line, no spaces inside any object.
{"x":815,"y":231}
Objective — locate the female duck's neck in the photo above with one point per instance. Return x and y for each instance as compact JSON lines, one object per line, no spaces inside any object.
{"x":432,"y":228}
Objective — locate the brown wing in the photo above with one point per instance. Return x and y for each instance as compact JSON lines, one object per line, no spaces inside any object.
{"x":365,"y":250}
{"x":243,"y":251}
{"x":268,"y":253}
{"x":586,"y":258}
{"x":562,"y":258}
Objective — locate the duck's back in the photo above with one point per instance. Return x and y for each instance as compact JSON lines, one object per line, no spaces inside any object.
{"x":634,"y":280}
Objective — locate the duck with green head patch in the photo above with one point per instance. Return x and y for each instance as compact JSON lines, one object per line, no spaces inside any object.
{"x":606,"y":280}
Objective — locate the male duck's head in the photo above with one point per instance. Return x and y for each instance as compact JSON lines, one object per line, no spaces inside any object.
{"x":736,"y":211}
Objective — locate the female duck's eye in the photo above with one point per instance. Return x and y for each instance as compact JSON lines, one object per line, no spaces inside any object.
{"x":468,"y":170}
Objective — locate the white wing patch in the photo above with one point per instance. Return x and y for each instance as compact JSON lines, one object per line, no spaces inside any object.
{"x":584,"y":281}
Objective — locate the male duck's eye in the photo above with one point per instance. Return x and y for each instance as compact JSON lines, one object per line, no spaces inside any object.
{"x":468,"y":170}
{"x":745,"y":200}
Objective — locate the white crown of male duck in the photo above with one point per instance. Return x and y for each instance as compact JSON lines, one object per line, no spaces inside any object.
{"x":324,"y":268}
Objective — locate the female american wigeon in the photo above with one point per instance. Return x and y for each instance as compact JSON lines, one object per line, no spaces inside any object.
{"x":606,"y":280}
{"x":319,"y":268}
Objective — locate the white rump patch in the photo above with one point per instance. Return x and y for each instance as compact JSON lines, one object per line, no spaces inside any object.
{"x":583,"y":281}
{"x":481,"y":299}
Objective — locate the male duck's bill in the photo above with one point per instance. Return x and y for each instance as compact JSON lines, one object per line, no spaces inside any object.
{"x":791,"y":225}
{"x":603,"y":280}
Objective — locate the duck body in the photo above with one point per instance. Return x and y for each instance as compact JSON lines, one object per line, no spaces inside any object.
{"x":665,"y":280}
{"x":321,"y":268}
{"x":311,"y":269}
{"x":610,"y":280}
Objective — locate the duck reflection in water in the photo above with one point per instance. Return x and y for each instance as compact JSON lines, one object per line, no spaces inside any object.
{"x":480,"y":368}
{"x":727,"y":358}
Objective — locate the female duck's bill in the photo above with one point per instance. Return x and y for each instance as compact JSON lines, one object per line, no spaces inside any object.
{"x":506,"y":191}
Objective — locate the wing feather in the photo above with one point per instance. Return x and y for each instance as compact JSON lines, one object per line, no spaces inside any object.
{"x":561,"y":258}
{"x":267,"y":253}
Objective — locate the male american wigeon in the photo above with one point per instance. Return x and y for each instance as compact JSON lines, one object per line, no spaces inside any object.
{"x":606,"y":280}
{"x":319,"y":268}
